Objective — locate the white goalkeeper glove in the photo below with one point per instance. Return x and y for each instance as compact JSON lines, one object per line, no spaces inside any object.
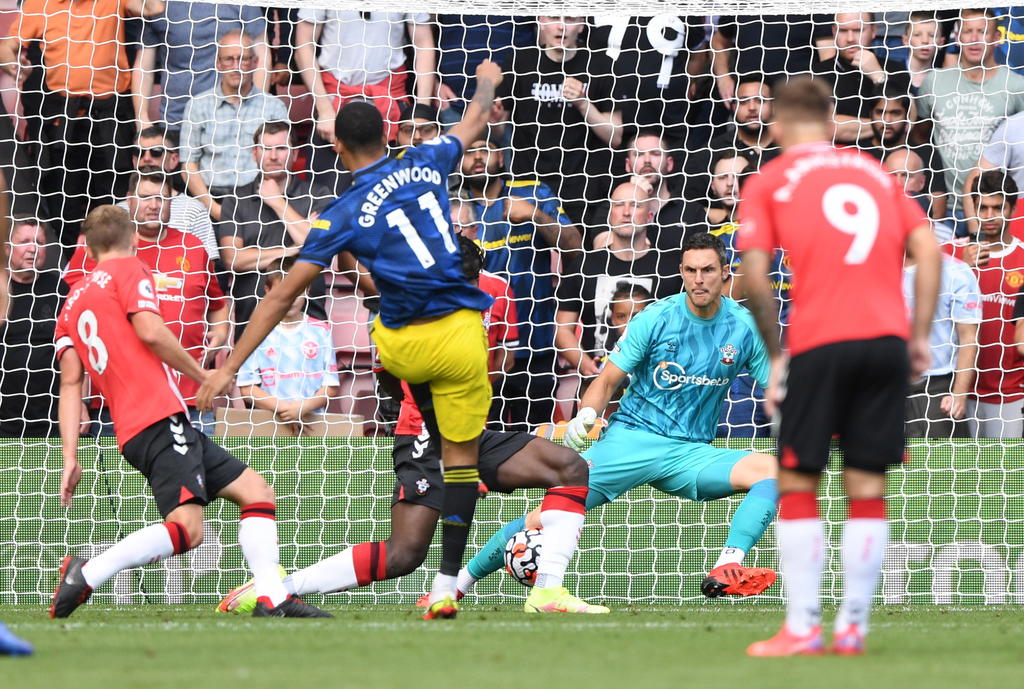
{"x":578,"y":429}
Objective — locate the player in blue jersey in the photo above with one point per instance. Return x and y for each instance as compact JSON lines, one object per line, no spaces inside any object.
{"x":394,"y":219}
{"x":681,"y":354}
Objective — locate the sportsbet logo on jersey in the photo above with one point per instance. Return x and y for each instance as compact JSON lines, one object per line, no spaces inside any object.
{"x":668,"y":375}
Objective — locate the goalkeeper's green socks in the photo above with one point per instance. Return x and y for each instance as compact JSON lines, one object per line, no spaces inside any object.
{"x":491,"y":557}
{"x":752,"y":517}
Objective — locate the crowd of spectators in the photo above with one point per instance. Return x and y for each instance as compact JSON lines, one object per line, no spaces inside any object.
{"x":611,"y":141}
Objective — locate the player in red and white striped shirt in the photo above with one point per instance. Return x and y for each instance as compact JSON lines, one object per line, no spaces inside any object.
{"x":845,"y":225}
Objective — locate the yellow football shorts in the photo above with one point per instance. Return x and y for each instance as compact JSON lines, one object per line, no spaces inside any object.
{"x":450,"y":354}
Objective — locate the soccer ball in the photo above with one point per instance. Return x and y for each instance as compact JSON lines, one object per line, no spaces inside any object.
{"x":522,"y":554}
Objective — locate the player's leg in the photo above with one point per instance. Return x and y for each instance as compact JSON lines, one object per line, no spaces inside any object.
{"x":13,"y":645}
{"x":808,"y":418}
{"x":872,"y":440}
{"x":619,"y":461}
{"x":449,"y":355}
{"x":756,"y":474}
{"x":169,"y":455}
{"x":517,"y":460}
{"x":257,"y":534}
{"x":414,"y":511}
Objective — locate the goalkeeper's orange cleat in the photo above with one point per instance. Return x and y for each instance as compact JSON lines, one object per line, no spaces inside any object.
{"x":848,"y":642}
{"x":736,"y":580}
{"x":786,"y":643}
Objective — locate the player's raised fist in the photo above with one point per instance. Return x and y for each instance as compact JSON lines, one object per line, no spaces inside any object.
{"x":490,"y":71}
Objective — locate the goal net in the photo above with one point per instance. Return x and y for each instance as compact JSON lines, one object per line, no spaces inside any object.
{"x":621,"y":128}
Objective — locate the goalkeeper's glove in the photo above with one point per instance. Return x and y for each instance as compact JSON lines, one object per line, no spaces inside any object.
{"x":579,"y":428}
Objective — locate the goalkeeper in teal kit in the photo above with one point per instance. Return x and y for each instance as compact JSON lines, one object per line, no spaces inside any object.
{"x":681,"y":354}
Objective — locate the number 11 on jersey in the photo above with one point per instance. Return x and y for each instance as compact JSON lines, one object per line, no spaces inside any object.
{"x":400,"y":221}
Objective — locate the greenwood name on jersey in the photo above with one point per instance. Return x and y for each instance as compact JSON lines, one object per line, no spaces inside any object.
{"x":682,"y":365}
{"x":395,"y":220}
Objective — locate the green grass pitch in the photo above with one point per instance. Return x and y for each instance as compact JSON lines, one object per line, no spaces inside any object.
{"x":685,"y":647}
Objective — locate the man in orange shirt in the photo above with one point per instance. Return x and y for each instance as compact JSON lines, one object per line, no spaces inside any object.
{"x":88,"y":119}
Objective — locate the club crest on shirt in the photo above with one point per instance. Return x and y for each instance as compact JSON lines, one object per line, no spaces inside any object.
{"x":1015,"y":279}
{"x":422,"y":486}
{"x":310,"y":349}
{"x":728,"y":354}
{"x":271,"y":352}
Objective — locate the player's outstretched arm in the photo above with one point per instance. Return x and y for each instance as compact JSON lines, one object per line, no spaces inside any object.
{"x":161,"y":341}
{"x":759,"y":298}
{"x":268,"y":314}
{"x":595,"y":401}
{"x":69,"y":406}
{"x":488,"y":78}
{"x":923,"y":248}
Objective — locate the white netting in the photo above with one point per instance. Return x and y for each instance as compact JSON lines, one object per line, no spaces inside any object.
{"x":670,"y":123}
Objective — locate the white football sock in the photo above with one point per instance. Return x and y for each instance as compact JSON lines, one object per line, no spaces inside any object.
{"x":142,"y":547}
{"x":801,"y":545}
{"x":864,"y":543}
{"x":257,"y":537}
{"x":465,"y":582}
{"x":561,"y":534}
{"x":730,"y":556}
{"x":335,"y":573}
{"x":444,"y":585}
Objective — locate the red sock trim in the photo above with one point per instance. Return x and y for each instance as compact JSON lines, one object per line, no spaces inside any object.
{"x":873,"y":508}
{"x":798,"y":506}
{"x":179,"y":537}
{"x":565,"y":499}
{"x":265,"y":510}
{"x":370,"y":562}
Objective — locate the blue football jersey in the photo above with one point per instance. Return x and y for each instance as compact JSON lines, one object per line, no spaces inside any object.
{"x":682,"y":365}
{"x":395,"y":219}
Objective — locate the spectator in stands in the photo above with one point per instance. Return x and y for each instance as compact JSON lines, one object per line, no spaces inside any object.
{"x":728,"y":172}
{"x":994,"y":408}
{"x":87,"y":82}
{"x":362,"y":55}
{"x":416,"y":123}
{"x":937,"y":404}
{"x":773,"y":45}
{"x":191,"y":301}
{"x":655,"y":61}
{"x":908,"y":168}
{"x":890,"y":131}
{"x":748,"y":135}
{"x":1005,"y":149}
{"x":965,"y":103}
{"x":501,"y":321}
{"x":28,"y":379}
{"x":293,"y":373}
{"x":217,"y":131}
{"x":156,"y":146}
{"x":562,"y":111}
{"x":267,"y":220}
{"x":464,"y":41}
{"x":626,"y":257}
{"x":924,"y":41}
{"x":1010,"y":50}
{"x":186,"y":36}
{"x":156,"y":152}
{"x":522,"y":229}
{"x":855,"y":72}
{"x":651,"y":165}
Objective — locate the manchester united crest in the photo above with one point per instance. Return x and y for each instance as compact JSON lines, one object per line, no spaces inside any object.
{"x":728,"y":354}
